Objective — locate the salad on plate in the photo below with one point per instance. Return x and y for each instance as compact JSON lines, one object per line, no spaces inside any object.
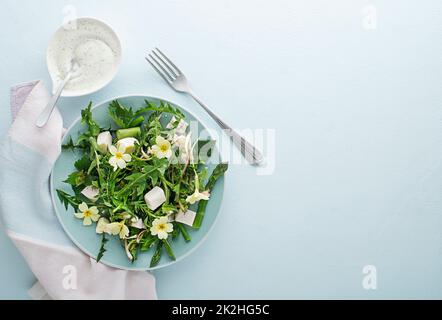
{"x":137,"y":182}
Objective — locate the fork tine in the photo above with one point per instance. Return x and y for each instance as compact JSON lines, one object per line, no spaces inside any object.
{"x":175,"y":74}
{"x":164,"y":76}
{"x":160,"y":64}
{"x":168,"y":60}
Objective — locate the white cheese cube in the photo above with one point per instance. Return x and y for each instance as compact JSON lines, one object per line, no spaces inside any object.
{"x":187,"y":217}
{"x":91,"y":193}
{"x":155,"y":198}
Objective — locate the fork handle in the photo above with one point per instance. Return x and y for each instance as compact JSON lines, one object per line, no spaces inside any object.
{"x":252,"y":154}
{"x":47,"y":111}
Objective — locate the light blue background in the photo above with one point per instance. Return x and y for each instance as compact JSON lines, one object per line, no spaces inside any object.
{"x":358,"y":119}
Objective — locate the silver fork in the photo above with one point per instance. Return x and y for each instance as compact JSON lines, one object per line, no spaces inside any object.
{"x":178,"y":81}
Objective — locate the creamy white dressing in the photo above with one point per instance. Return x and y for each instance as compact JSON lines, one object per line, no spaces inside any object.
{"x":95,"y":50}
{"x":96,"y":61}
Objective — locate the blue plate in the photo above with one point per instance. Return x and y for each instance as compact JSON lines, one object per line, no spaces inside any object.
{"x":86,"y":238}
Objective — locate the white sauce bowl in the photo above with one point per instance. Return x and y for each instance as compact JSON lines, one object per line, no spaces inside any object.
{"x":96,"y":48}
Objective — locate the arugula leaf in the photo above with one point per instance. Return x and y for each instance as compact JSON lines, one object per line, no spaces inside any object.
{"x":154,"y":177}
{"x":76,"y":179}
{"x":86,"y":118}
{"x":168,"y":208}
{"x":160,"y":164}
{"x":158,"y":167}
{"x":92,"y":166}
{"x":67,"y":199}
{"x":83,"y":163}
{"x":118,"y":113}
{"x":140,"y":189}
{"x":125,"y":117}
{"x":164,"y":107}
{"x":134,"y":176}
{"x":70,"y":145}
{"x":104,"y":240}
{"x":146,"y":244}
{"x":137,"y":182}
